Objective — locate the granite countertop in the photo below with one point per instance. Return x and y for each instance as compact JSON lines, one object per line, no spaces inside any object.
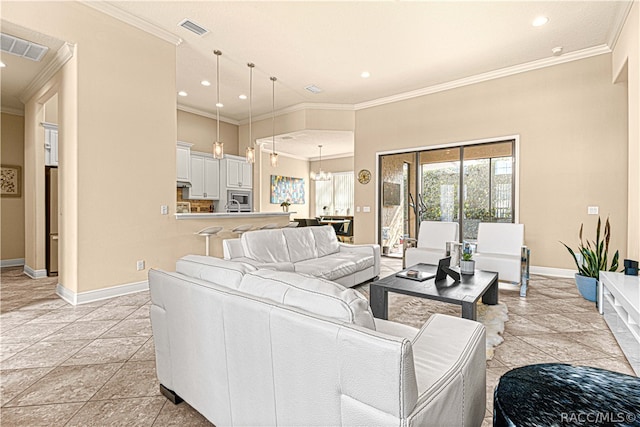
{"x":218,"y":215}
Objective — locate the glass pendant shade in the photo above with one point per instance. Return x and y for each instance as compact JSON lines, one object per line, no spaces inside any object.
{"x":218,"y":146}
{"x":251,"y":155}
{"x":273,"y":159}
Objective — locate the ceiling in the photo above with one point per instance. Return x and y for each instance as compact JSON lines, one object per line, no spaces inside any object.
{"x":406,"y":46}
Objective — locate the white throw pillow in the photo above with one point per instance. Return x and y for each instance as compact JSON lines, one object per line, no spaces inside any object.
{"x":311,"y":294}
{"x":216,"y":270}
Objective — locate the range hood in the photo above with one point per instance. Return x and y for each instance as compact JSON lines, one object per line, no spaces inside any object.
{"x":184,"y":184}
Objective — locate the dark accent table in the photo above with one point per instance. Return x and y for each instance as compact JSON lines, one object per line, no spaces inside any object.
{"x":466,"y":293}
{"x":556,"y":394}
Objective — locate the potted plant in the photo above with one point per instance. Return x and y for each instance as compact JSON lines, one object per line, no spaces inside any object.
{"x":285,"y":205}
{"x":594,"y":258}
{"x":467,"y":264}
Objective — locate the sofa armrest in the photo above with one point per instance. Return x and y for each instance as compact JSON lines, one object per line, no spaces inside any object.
{"x":449,"y":356}
{"x":369,"y":249}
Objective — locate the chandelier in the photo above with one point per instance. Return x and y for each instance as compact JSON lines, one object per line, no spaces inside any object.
{"x":321,"y":175}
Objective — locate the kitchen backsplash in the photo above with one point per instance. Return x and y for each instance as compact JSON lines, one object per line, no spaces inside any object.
{"x":197,"y":205}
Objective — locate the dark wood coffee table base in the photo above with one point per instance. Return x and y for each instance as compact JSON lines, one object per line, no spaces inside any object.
{"x":466,"y":293}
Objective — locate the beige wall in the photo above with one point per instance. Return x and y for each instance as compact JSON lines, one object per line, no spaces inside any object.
{"x":123,"y":139}
{"x":626,"y":72}
{"x":342,"y":164}
{"x":51,"y":110}
{"x":12,"y":208}
{"x":571,"y":122}
{"x":201,"y":131}
{"x":287,"y":166}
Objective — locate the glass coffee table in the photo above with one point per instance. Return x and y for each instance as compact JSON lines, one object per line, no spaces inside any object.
{"x":466,"y":292}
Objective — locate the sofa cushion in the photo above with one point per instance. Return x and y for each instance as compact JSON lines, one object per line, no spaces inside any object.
{"x":266,"y":246}
{"x":326,"y":240}
{"x":361,"y":260}
{"x":311,"y":294}
{"x":328,"y":267}
{"x":216,"y":270}
{"x":301,"y":243}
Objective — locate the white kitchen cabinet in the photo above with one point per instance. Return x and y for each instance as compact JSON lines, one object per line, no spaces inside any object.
{"x":239,"y":174}
{"x":205,"y":178}
{"x":183,"y":162}
{"x":50,"y":144}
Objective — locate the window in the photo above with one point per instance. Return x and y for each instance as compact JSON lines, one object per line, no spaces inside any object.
{"x":335,"y":197}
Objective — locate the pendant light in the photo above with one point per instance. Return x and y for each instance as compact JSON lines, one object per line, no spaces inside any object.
{"x":218,"y":146}
{"x":273,"y":157}
{"x":251,"y":151}
{"x":320,"y":176}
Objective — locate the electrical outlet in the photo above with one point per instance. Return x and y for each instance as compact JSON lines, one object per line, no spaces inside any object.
{"x":592,"y":210}
{"x":357,"y":208}
{"x":164,"y":210}
{"x":140,"y":265}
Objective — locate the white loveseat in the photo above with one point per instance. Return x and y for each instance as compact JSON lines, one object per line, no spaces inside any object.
{"x":310,"y":250}
{"x":249,"y":347}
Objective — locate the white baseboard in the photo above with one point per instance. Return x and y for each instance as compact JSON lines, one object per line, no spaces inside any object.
{"x":34,"y":274}
{"x":17,"y":262}
{"x":74,"y":298}
{"x":551,"y":271}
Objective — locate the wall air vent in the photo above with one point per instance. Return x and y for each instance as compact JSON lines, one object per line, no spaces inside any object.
{"x":313,"y":89}
{"x":23,"y":48}
{"x":193,"y":27}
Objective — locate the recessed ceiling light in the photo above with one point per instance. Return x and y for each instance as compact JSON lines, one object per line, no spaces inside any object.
{"x":365,"y":75}
{"x":540,"y":21}
{"x":243,"y":96}
{"x":219,"y":105}
{"x":182,"y":93}
{"x":2,"y":64}
{"x":205,"y":83}
{"x":313,"y":89}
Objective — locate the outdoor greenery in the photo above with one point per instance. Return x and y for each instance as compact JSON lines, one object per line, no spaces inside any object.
{"x":595,"y":253}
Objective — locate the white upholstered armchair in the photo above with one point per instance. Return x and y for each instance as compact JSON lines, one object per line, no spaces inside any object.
{"x":432,"y":242}
{"x":501,"y":248}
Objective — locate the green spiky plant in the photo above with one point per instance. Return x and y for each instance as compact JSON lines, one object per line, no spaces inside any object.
{"x":595,"y":253}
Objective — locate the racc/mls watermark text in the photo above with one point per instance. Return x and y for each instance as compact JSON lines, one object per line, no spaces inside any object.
{"x":591,"y":418}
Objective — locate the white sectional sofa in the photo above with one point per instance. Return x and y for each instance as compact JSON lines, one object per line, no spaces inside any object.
{"x":249,"y":347}
{"x":310,"y":250}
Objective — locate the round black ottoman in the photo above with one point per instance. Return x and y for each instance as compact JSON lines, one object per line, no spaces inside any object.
{"x":555,"y":394}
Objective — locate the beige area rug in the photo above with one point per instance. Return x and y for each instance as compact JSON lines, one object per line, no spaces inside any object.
{"x":415,"y":311}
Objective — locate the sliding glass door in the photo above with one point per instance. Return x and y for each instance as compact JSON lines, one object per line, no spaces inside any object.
{"x":467,"y":184}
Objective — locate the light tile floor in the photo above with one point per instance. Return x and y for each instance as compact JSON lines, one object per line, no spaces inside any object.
{"x":94,"y":364}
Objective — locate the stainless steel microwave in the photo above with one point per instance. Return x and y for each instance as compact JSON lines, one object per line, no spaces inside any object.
{"x":239,"y":200}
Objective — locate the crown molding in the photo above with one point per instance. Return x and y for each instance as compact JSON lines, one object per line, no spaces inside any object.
{"x":618,"y":24}
{"x":63,"y":54}
{"x":479,"y":78}
{"x":302,"y":107}
{"x":11,"y":110}
{"x":128,"y":18}
{"x":206,"y":114}
{"x":335,"y":156}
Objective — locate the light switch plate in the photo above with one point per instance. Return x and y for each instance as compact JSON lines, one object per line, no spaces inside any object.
{"x":366,"y":209}
{"x":164,"y":210}
{"x":357,"y":208}
{"x":592,"y":210}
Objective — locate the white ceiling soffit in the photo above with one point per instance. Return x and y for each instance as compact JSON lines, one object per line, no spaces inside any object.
{"x":304,"y":144}
{"x":410,"y":48}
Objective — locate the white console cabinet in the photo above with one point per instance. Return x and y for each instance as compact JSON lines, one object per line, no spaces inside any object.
{"x":205,"y":178}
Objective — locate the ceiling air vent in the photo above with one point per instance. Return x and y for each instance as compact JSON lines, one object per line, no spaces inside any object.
{"x":313,"y":89}
{"x":193,"y":27}
{"x":23,"y":48}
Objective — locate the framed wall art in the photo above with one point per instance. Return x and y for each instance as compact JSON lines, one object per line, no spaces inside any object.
{"x":285,"y":188}
{"x":10,"y":181}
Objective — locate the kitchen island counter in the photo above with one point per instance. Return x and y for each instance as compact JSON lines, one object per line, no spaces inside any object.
{"x":220,"y":215}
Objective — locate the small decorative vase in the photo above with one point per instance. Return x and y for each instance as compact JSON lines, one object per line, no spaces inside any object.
{"x":587,"y":286}
{"x":467,"y":267}
{"x":285,"y":209}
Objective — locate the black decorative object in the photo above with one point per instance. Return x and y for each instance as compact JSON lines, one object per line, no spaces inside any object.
{"x":555,"y":394}
{"x":630,"y":267}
